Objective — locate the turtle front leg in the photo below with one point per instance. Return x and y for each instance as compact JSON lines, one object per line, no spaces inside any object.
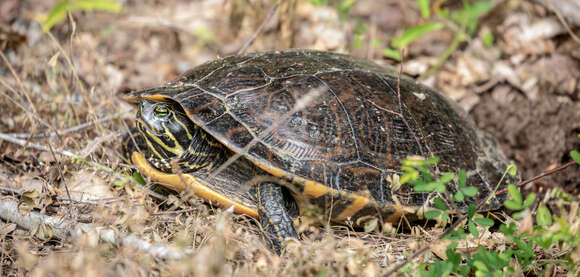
{"x":274,"y":217}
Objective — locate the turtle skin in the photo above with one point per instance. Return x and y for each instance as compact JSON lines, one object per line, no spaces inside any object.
{"x":335,"y":129}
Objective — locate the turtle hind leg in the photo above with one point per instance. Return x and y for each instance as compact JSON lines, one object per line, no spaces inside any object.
{"x":274,"y":216}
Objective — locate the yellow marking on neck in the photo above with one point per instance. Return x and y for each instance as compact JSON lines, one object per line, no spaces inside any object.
{"x":174,"y":182}
{"x":211,"y":142}
{"x":189,"y":136}
{"x":177,"y":149}
{"x":152,"y":148}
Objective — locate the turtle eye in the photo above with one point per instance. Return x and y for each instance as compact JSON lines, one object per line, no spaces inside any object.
{"x":161,"y":111}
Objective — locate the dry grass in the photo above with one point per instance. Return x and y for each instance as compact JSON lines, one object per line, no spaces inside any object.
{"x":67,"y":79}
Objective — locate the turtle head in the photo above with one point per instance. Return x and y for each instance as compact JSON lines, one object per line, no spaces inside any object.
{"x":166,"y":127}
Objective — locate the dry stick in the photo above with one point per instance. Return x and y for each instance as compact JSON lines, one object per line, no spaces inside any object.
{"x":563,"y":21}
{"x":42,"y":148}
{"x":66,"y":131}
{"x":463,"y":217}
{"x":249,"y":42}
{"x":541,"y":175}
{"x":68,"y":230}
{"x":19,"y":192}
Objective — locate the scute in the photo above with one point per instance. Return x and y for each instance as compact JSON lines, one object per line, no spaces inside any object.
{"x":351,"y":137}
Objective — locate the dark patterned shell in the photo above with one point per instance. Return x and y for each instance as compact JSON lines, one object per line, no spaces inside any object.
{"x":333,"y":119}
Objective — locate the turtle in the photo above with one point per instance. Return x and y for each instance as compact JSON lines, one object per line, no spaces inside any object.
{"x":283,"y":134}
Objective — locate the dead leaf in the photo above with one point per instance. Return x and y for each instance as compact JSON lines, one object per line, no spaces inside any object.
{"x":85,"y":185}
{"x":28,"y":201}
{"x":44,"y":232}
{"x":526,"y":225}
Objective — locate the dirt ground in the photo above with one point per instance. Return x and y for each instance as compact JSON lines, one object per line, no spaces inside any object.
{"x":524,"y":90}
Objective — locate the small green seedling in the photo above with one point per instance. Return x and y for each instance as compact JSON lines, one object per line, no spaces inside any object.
{"x":517,"y":203}
{"x":60,"y":10}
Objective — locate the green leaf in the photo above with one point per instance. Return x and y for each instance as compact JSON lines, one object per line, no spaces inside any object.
{"x":484,"y":221}
{"x":424,"y":7}
{"x":318,"y":2}
{"x":138,"y":178}
{"x":470,"y":211}
{"x":446,"y":177}
{"x":515,"y":193}
{"x":413,"y":162}
{"x":512,"y":205}
{"x":432,"y":214}
{"x":509,"y":229}
{"x":96,"y":5}
{"x":57,"y":14}
{"x":543,"y":216}
{"x":472,"y":229}
{"x":414,"y":33}
{"x":444,"y":216}
{"x":488,"y":39}
{"x":470,"y":191}
{"x":358,"y":39}
{"x":461,"y":178}
{"x":470,"y":14}
{"x":575,"y":155}
{"x":432,"y":160}
{"x":429,"y":187}
{"x":512,"y":170}
{"x":392,"y":53}
{"x":442,"y":12}
{"x":439,"y":187}
{"x":480,"y":266}
{"x":439,"y":203}
{"x":59,"y":11}
{"x":518,"y":215}
{"x":458,"y":197}
{"x":529,"y":200}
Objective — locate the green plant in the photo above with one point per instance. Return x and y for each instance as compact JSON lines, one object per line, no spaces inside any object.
{"x":523,"y":246}
{"x":462,"y":23}
{"x":342,"y":6}
{"x":60,"y":10}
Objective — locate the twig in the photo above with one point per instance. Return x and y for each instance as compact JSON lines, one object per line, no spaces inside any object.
{"x":174,"y":212}
{"x":68,"y":230}
{"x":541,"y":175}
{"x":66,"y":131}
{"x":249,"y":42}
{"x":39,"y":147}
{"x":19,"y":192}
{"x":563,"y":21}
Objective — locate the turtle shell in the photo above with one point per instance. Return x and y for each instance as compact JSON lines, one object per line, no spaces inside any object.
{"x":335,"y":121}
